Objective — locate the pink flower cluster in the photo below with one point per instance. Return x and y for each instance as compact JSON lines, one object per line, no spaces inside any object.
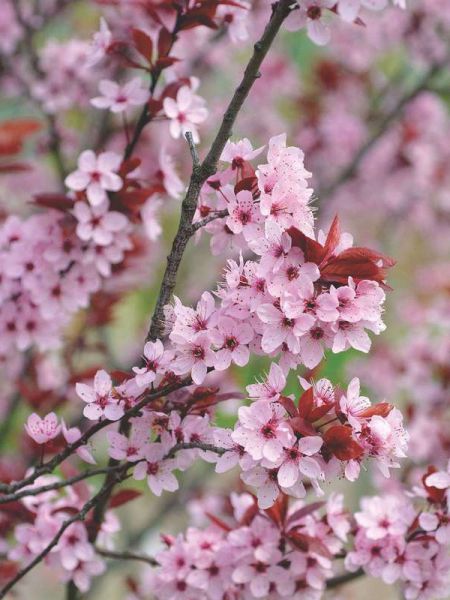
{"x":397,"y":543}
{"x":298,"y":296}
{"x":254,"y":554}
{"x":50,"y":268}
{"x":278,"y":443}
{"x":73,"y":557}
{"x":281,"y":445}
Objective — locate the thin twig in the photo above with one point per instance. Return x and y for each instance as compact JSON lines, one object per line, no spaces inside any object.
{"x":56,"y":485}
{"x":192,"y":149}
{"x":127,"y":556}
{"x":52,"y":127}
{"x":217,"y":214}
{"x":344,"y":578}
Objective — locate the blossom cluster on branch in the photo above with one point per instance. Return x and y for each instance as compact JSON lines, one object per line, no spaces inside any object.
{"x":119,"y":144}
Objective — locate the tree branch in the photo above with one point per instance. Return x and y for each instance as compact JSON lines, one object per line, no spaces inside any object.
{"x":344,"y":578}
{"x":208,"y":167}
{"x":127,"y":556}
{"x":56,"y":485}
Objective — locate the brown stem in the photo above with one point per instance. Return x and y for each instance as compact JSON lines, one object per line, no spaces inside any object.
{"x":208,"y":167}
{"x":127,"y":556}
{"x":55,"y":485}
{"x":345,"y":578}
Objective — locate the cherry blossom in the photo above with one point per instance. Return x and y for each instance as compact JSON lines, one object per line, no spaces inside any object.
{"x":42,"y":430}
{"x":96,"y":175}
{"x":100,"y":398}
{"x":185,"y":113}
{"x":118,"y":98}
{"x":98,"y":223}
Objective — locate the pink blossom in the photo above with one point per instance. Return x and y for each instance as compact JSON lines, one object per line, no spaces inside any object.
{"x":157,"y":361}
{"x":270,"y":389}
{"x":72,"y":435}
{"x":118,"y":98}
{"x":194,"y":356}
{"x":100,"y":399}
{"x":297,"y":460}
{"x":185,"y":113}
{"x":100,"y":43}
{"x":42,"y":430}
{"x":156,"y":469}
{"x":98,"y":223}
{"x":311,"y":15}
{"x":279,"y":328}
{"x":262,"y":430}
{"x":352,"y":404}
{"x":231,"y":339}
{"x":96,"y":175}
{"x":244,"y":215}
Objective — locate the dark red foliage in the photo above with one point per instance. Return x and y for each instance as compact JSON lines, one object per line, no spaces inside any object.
{"x":339,"y":442}
{"x":358,"y":263}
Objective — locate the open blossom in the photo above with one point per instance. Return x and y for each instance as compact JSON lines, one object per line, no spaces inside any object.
{"x":297,"y":461}
{"x":235,"y":18}
{"x":262,"y":430}
{"x":72,"y":435}
{"x":312,"y":15}
{"x":185,"y":113}
{"x":232,"y":339}
{"x":42,"y":430}
{"x":244,"y":215}
{"x":97,"y":175}
{"x":157,"y":470}
{"x":354,"y":406}
{"x":193,"y":356}
{"x":271,"y":388}
{"x":157,"y":361}
{"x":118,"y":98}
{"x":98,"y":223}
{"x":100,"y":401}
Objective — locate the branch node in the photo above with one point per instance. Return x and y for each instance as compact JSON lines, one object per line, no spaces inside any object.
{"x":192,"y":149}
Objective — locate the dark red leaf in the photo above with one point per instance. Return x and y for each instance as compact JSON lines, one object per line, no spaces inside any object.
{"x":218,"y":522}
{"x":143,"y":44}
{"x":382,"y":409}
{"x":123,"y":496}
{"x":339,"y":442}
{"x":165,"y":41}
{"x":289,"y":405}
{"x":306,"y":403}
{"x":303,"y":512}
{"x":301,"y":426}
{"x":278,"y":511}
{"x":54,"y":200}
{"x":307,"y":543}
{"x":14,"y":132}
{"x":435,"y":495}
